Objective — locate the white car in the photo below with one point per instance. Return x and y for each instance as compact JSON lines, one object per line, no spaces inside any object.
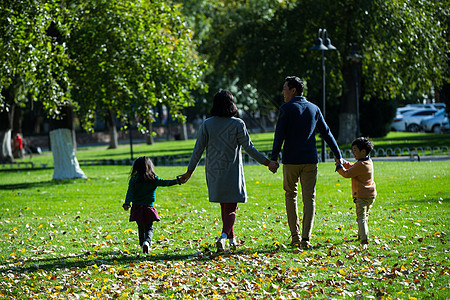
{"x":405,"y":109}
{"x":446,"y":125}
{"x":410,"y":121}
{"x":428,"y":105}
{"x":435,"y":123}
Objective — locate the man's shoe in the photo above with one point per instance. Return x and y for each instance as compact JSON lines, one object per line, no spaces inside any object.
{"x":145,"y":247}
{"x":295,"y":241}
{"x":306,"y":244}
{"x":220,"y":245}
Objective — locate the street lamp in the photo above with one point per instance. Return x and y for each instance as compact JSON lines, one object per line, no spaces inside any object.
{"x":355,"y":57}
{"x":323,"y":43}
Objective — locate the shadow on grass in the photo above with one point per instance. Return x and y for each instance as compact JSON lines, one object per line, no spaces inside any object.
{"x":39,"y":184}
{"x":88,"y":259}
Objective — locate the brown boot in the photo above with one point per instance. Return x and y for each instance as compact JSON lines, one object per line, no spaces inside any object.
{"x":295,"y":241}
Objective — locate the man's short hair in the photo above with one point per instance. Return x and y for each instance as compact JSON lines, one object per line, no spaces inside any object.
{"x":295,"y":82}
{"x":363,"y":144}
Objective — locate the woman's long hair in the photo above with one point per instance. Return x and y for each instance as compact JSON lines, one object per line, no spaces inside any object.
{"x":223,"y":105}
{"x":144,"y":170}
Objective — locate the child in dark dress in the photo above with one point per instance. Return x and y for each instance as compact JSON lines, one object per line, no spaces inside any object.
{"x":141,"y":192}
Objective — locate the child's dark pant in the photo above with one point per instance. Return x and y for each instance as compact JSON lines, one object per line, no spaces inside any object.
{"x":145,"y":233}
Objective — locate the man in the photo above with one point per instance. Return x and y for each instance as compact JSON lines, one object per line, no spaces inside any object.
{"x":297,"y":121}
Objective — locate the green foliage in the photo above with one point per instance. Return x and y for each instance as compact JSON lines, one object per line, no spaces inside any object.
{"x":72,"y":238}
{"x":130,"y":56}
{"x":31,"y":58}
{"x":258,"y":43}
{"x":378,"y":114}
{"x":124,"y":56}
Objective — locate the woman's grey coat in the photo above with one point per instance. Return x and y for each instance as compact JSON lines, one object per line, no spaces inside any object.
{"x":223,"y":139}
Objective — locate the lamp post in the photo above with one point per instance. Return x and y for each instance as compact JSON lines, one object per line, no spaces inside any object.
{"x":323,"y":43}
{"x":355,"y":57}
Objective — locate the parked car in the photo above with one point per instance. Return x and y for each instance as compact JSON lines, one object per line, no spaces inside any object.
{"x":410,"y":121}
{"x":398,"y":124}
{"x":438,"y":105}
{"x":405,"y":109}
{"x":435,"y":123}
{"x":445,"y":125}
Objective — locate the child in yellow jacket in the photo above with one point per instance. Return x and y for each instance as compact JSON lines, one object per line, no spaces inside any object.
{"x":363,"y":186}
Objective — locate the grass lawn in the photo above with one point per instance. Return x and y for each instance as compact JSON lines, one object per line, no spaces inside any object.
{"x":71,"y":239}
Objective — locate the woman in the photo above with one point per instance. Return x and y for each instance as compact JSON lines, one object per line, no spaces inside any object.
{"x":222,"y":136}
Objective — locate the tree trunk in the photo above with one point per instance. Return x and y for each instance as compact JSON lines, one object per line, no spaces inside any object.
{"x":65,"y":162}
{"x":149,"y":137}
{"x":6,"y":122}
{"x":347,"y":115}
{"x":183,"y":131}
{"x":6,"y":155}
{"x":113,"y":137}
{"x":62,"y":137}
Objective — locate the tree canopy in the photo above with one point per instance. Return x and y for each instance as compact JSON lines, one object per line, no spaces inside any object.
{"x":125,"y":56}
{"x":403,"y":43}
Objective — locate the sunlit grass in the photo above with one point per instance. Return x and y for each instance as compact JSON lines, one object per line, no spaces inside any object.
{"x":72,"y":237}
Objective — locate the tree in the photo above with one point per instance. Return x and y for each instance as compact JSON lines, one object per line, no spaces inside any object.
{"x":263,"y":41}
{"x":129,"y":56}
{"x":119,"y":56}
{"x":30,"y":62}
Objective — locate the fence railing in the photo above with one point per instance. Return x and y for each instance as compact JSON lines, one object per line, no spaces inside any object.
{"x":183,"y":160}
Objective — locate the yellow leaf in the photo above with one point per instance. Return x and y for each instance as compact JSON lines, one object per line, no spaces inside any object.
{"x":256,"y":254}
{"x":342,"y":271}
{"x":257,"y":182}
{"x":129,"y":230}
{"x":411,"y":298}
{"x":108,"y":237}
{"x":95,"y":266}
{"x":323,"y":268}
{"x":403,"y":268}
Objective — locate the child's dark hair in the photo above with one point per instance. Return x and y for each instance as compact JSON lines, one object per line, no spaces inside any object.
{"x":143,"y":168}
{"x":363,"y":144}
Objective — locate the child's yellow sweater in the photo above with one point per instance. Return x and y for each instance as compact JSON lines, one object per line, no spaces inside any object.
{"x":361,"y":173}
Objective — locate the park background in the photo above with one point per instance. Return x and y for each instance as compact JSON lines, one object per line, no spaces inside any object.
{"x":117,"y":79}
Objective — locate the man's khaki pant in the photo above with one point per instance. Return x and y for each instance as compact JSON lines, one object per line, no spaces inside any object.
{"x":308,"y":176}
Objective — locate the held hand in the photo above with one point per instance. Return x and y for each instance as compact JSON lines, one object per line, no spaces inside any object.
{"x":339,"y":161}
{"x":273,"y":166}
{"x":185,"y":177}
{"x":126,"y":206}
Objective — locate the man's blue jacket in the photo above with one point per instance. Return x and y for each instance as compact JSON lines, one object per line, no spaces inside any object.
{"x":297,"y":121}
